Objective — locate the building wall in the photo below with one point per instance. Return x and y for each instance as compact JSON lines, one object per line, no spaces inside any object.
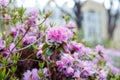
{"x":116,"y":37}
{"x":99,"y":8}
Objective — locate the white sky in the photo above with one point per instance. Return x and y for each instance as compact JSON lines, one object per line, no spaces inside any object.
{"x":70,"y":3}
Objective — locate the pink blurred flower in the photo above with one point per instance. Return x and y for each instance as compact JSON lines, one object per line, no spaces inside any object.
{"x":60,"y":64}
{"x":45,"y":71}
{"x":13,"y":31}
{"x":7,"y":17}
{"x":89,"y":66}
{"x":31,"y":75}
{"x":99,"y":48}
{"x":103,"y":75}
{"x":5,"y":53}
{"x":27,"y":75}
{"x":69,"y":70}
{"x":28,"y":39}
{"x":39,"y":53}
{"x":2,"y":44}
{"x":59,"y":34}
{"x":76,"y":46}
{"x":3,"y":3}
{"x":86,"y":50}
{"x":11,"y":46}
{"x":70,"y":25}
{"x":35,"y":75}
{"x":32,"y":18}
{"x":34,"y":13}
{"x":67,"y":58}
{"x":77,"y":74}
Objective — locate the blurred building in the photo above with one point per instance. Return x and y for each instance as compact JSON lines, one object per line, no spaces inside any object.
{"x":94,"y":22}
{"x":116,"y":38}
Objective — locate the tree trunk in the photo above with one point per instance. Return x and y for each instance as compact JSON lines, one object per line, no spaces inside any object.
{"x":112,"y":19}
{"x":77,"y":11}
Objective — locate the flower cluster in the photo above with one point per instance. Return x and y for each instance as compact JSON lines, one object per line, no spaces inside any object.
{"x":37,"y":52}
{"x":59,"y":34}
{"x":31,"y":75}
{"x":32,"y":18}
{"x":81,"y":65}
{"x":3,"y":3}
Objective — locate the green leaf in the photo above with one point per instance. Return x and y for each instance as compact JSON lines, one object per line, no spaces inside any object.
{"x":4,"y":61}
{"x":21,"y":11}
{"x":41,"y":74}
{"x":15,"y":20}
{"x":49,"y":51}
{"x":35,"y":47}
{"x":41,"y":65}
{"x":9,"y":40}
{"x":45,"y":46}
{"x":66,"y":18}
{"x":4,"y":74}
{"x":15,"y":57}
{"x":52,"y":64}
{"x":13,"y":69}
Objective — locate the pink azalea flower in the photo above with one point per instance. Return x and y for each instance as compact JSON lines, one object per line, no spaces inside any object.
{"x":5,"y":53}
{"x":103,"y":75}
{"x":32,"y":18}
{"x":60,"y":64}
{"x":2,"y":44}
{"x":67,"y":58}
{"x":31,"y":21}
{"x":7,"y":17}
{"x":99,"y":48}
{"x":13,"y":31}
{"x":77,"y":74}
{"x":39,"y":53}
{"x":3,"y":3}
{"x":69,"y":70}
{"x":45,"y":71}
{"x":70,"y":25}
{"x":11,"y":46}
{"x":34,"y":13}
{"x":76,"y":46}
{"x":35,"y":75}
{"x":28,"y":39}
{"x":27,"y":75}
{"x":59,"y":34}
{"x":31,"y":75}
{"x":86,"y":50}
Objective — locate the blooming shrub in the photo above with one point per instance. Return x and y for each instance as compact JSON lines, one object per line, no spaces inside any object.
{"x":32,"y":51}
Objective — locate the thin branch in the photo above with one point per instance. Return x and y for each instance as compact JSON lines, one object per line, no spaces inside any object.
{"x":28,"y":59}
{"x":24,"y":36}
{"x":28,"y":45}
{"x":20,"y":39}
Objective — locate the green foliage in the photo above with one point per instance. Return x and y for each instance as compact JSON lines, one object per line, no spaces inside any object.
{"x":66,"y":18}
{"x":4,"y":73}
{"x":15,"y":57}
{"x":41,"y":65}
{"x":50,"y":51}
{"x":4,"y":61}
{"x":14,"y":78}
{"x":21,"y":11}
{"x":9,"y":40}
{"x":113,"y":77}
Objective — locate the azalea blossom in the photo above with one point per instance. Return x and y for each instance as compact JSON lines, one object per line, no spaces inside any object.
{"x":59,"y":34}
{"x":31,"y":75}
{"x":29,"y":39}
{"x":3,"y":3}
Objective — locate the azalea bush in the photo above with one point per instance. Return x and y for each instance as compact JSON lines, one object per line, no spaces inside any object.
{"x":33,"y":50}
